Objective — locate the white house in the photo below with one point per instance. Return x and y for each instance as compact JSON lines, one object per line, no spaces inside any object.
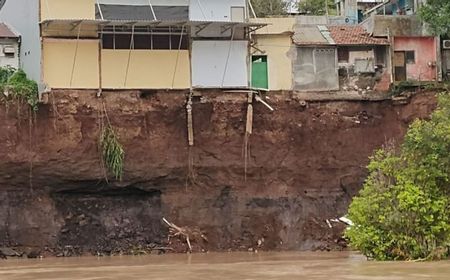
{"x":23,"y":17}
{"x":220,"y":43}
{"x":9,"y":47}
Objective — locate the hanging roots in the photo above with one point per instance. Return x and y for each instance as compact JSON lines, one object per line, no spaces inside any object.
{"x":112,"y":151}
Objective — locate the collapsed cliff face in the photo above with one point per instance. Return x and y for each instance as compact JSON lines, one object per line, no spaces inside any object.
{"x":304,"y":165}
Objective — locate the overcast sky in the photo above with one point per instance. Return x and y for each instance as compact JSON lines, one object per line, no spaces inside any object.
{"x":293,"y":5}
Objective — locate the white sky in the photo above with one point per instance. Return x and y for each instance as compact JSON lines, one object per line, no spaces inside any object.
{"x":293,"y":6}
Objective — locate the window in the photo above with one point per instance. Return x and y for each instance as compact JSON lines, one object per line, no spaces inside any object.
{"x":122,"y":41}
{"x":259,"y":58}
{"x":9,"y":51}
{"x":316,"y":69}
{"x":343,"y":54}
{"x":410,"y":57}
{"x":144,"y":38}
{"x":380,"y":55}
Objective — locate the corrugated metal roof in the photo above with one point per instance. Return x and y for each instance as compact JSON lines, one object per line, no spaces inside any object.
{"x":326,"y":34}
{"x":309,"y":35}
{"x":134,"y":12}
{"x":99,"y":22}
{"x":7,"y":32}
{"x":227,"y":23}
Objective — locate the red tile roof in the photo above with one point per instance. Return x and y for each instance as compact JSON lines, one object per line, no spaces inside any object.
{"x":354,"y":35}
{"x":6,"y":32}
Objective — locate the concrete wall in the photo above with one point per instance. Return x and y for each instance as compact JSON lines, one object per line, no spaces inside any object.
{"x":59,"y":59}
{"x":360,"y":59}
{"x":382,"y":26}
{"x":363,"y":53}
{"x":351,"y":11}
{"x":425,"y":52}
{"x":358,"y":52}
{"x":23,"y":16}
{"x":9,"y":61}
{"x":315,"y":69}
{"x":275,"y":26}
{"x":219,"y":64}
{"x":324,"y":20}
{"x":213,"y":10}
{"x":311,"y":20}
{"x":148,"y":69}
{"x":277,"y":48}
{"x":67,"y":9}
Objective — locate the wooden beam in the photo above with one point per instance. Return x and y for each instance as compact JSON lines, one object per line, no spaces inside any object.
{"x":190,"y":122}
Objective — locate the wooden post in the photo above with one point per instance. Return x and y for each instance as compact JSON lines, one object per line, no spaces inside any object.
{"x":249,"y":124}
{"x":248,"y":131}
{"x":190,"y":121}
{"x":100,"y":80}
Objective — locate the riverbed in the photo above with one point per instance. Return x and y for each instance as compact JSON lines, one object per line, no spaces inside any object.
{"x":230,"y":266}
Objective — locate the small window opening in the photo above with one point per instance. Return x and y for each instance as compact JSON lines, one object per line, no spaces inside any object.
{"x":410,"y":57}
{"x":343,"y":54}
{"x":259,"y":59}
{"x":9,"y":51}
{"x":144,"y":38}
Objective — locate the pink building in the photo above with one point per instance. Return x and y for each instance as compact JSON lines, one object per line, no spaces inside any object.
{"x":415,"y":58}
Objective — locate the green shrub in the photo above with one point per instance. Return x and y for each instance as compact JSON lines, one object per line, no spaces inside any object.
{"x":15,"y":85}
{"x":403,"y":211}
{"x":5,"y":74}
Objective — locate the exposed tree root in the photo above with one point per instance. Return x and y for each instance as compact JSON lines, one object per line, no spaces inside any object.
{"x":186,"y":233}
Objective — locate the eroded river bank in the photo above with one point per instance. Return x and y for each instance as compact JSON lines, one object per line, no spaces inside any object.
{"x":305,"y":162}
{"x":276,"y":266}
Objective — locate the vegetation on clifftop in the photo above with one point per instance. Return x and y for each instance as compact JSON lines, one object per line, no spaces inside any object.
{"x":403,"y":211}
{"x":15,"y":86}
{"x":317,"y":7}
{"x":437,"y":14}
{"x":264,"y":8}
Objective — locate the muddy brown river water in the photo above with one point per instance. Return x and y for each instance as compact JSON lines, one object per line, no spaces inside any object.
{"x":233,"y":266}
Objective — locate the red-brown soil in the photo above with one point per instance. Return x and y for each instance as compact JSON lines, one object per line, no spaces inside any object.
{"x":304,"y":166}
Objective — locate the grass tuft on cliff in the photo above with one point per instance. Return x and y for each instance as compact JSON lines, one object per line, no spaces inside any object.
{"x":112,"y":151}
{"x":403,"y":210}
{"x":15,"y":86}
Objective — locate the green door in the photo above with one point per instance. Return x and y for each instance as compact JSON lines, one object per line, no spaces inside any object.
{"x":259,"y":72}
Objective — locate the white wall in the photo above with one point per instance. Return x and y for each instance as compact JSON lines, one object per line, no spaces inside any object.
{"x":209,"y":60}
{"x":23,"y":16}
{"x":353,"y":55}
{"x":213,"y":10}
{"x":9,"y":61}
